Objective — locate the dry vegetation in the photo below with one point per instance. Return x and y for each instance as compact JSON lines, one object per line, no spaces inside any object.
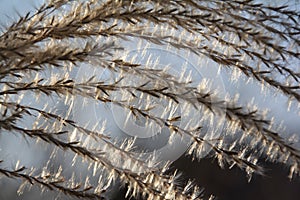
{"x":259,"y":42}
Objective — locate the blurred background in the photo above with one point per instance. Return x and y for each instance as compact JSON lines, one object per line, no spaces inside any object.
{"x":226,"y":184}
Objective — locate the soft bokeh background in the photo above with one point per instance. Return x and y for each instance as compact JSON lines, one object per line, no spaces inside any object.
{"x":225,"y":184}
